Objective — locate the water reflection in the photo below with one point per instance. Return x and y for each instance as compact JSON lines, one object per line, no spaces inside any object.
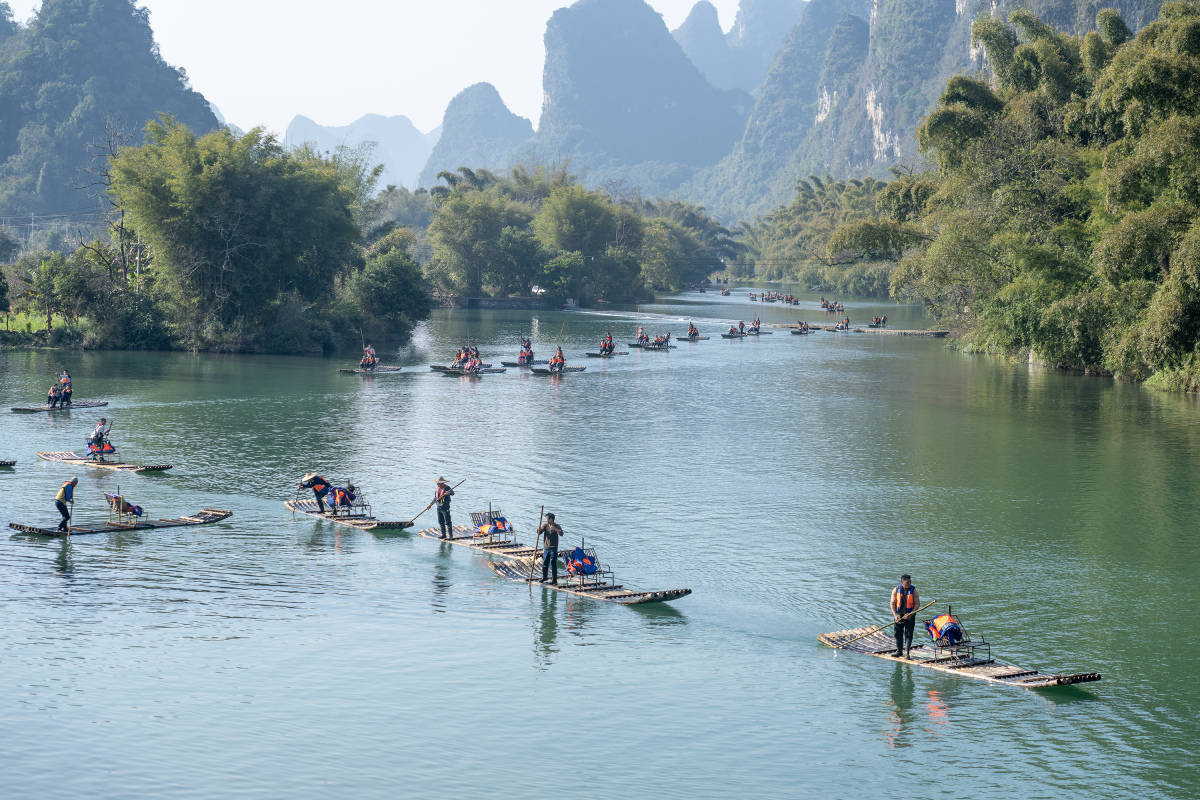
{"x":441,"y":585}
{"x":546,"y":629}
{"x":900,"y":713}
{"x":660,"y":615}
{"x":64,"y":564}
{"x":911,"y":712}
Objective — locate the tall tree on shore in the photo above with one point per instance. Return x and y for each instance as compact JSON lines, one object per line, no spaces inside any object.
{"x":236,"y":223}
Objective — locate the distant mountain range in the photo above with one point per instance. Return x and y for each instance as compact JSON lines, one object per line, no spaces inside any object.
{"x":727,"y":120}
{"x":396,"y":143}
{"x":732,"y":120}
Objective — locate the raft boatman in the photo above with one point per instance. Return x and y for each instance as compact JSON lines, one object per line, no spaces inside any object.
{"x":320,"y":487}
{"x":559,"y":362}
{"x":441,"y":497}
{"x":65,"y":389}
{"x":66,"y":494}
{"x":741,"y":326}
{"x":905,"y":603}
{"x":550,"y":532}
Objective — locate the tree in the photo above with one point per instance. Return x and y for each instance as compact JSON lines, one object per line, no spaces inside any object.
{"x":236,"y":223}
{"x":9,"y":246}
{"x":518,"y":261}
{"x":389,"y":287}
{"x":575,"y":220}
{"x":465,"y":233}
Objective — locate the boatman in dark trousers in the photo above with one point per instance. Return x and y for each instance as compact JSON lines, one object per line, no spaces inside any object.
{"x":66,"y":494}
{"x":905,"y":603}
{"x":441,"y":496}
{"x":550,"y":533}
{"x":320,"y":487}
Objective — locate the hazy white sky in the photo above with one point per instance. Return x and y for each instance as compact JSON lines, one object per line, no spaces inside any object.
{"x":264,"y":61}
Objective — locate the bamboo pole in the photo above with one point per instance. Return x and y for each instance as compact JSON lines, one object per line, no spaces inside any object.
{"x":884,"y":625}
{"x":536,"y":540}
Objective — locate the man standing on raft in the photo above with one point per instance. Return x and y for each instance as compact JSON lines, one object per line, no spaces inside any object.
{"x":905,"y":603}
{"x":66,"y":494}
{"x":441,"y":496}
{"x":550,"y":532}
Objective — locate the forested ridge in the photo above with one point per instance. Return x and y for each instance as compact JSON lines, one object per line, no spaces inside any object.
{"x":1062,"y":220}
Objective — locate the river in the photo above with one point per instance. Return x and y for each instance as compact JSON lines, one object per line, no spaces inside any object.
{"x":786,"y":480}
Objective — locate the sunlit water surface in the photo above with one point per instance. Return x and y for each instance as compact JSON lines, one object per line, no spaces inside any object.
{"x":786,"y":480}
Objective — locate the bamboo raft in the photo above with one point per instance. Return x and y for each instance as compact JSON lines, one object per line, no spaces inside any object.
{"x":882,"y":644}
{"x":522,"y":364}
{"x":471,"y":373}
{"x":548,"y":371}
{"x":520,"y":559}
{"x":605,"y":355}
{"x":205,"y":517}
{"x":72,"y":404}
{"x":654,"y":346}
{"x":446,"y":368}
{"x":869,"y":329}
{"x":362,"y":521}
{"x":610,"y":592}
{"x":464,"y":536}
{"x":8,"y":463}
{"x":373,"y":371}
{"x":74,"y":459}
{"x":692,"y":338}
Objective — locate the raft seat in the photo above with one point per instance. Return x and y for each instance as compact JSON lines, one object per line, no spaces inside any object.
{"x":493,"y":526}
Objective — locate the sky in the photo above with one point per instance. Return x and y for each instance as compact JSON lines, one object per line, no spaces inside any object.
{"x":261,"y":62}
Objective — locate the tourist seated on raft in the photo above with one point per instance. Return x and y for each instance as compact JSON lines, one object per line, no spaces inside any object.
{"x":98,"y":444}
{"x":53,"y":396}
{"x":733,"y":329}
{"x":342,"y":498}
{"x":558,"y":362}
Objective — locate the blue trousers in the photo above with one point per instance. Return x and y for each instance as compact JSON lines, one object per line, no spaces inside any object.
{"x":444,"y":521}
{"x":550,"y":562}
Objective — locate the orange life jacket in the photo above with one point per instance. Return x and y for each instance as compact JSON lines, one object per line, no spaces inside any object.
{"x":906,"y":599}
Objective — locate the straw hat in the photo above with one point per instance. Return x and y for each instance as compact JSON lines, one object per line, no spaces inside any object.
{"x":308,"y":476}
{"x":439,"y":479}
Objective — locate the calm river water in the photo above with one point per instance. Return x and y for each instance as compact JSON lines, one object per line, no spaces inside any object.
{"x":786,"y":480}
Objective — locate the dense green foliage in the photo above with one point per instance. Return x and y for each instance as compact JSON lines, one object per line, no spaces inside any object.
{"x":795,"y":242}
{"x":541,"y":228}
{"x":81,"y":70}
{"x":1063,"y":221}
{"x":244,"y":247}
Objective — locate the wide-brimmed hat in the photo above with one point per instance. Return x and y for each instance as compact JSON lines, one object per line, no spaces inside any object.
{"x":439,"y":479}
{"x":308,"y":476}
